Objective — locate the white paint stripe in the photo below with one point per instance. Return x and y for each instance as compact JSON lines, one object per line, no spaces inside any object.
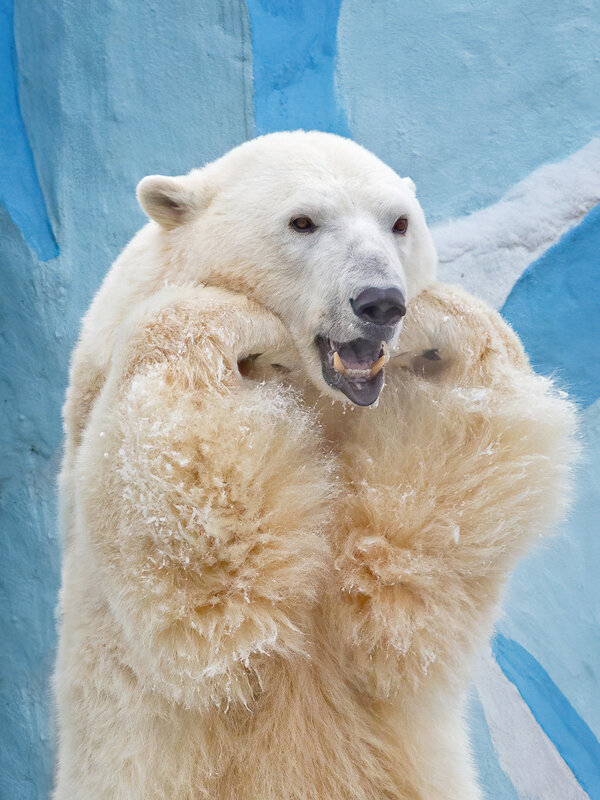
{"x":524,"y":751}
{"x":486,"y":252}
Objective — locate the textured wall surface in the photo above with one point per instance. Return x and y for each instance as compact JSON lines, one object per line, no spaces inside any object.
{"x":491,"y":108}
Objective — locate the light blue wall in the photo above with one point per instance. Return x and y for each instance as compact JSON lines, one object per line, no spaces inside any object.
{"x":466,"y":98}
{"x":469,"y":97}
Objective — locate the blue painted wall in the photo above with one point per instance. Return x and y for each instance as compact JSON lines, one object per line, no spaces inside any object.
{"x":466,"y":98}
{"x":294,"y":49}
{"x":20,"y":191}
{"x":469,"y":97}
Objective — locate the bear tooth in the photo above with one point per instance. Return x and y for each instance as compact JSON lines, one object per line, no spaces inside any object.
{"x":338,"y":364}
{"x":379,"y":365}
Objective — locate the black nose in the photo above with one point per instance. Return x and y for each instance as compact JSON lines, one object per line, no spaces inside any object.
{"x":380,"y":306}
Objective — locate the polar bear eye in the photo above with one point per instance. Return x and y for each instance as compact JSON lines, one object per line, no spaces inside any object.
{"x":303,"y":224}
{"x":401,"y":225}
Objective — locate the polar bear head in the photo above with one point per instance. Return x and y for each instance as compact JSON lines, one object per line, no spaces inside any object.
{"x":315,"y":228}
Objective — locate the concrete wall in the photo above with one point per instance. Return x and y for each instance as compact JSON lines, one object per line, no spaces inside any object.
{"x":491,"y":108}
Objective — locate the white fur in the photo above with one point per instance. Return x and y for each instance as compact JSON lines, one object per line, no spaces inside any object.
{"x":266,"y":594}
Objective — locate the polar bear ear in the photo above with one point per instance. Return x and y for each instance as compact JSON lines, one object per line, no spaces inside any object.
{"x":410,"y":185}
{"x":169,"y":201}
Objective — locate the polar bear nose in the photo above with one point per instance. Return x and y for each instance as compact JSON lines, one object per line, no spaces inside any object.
{"x":380,"y":306}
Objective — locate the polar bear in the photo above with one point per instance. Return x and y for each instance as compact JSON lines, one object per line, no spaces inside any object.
{"x":297,"y":472}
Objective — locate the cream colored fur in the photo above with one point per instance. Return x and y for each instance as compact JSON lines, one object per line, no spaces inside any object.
{"x":268,"y":595}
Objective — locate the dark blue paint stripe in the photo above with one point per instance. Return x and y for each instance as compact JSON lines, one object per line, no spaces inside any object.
{"x":495,"y":783}
{"x":293,"y":57}
{"x":573,"y":739}
{"x":554,"y":308}
{"x":19,"y":186}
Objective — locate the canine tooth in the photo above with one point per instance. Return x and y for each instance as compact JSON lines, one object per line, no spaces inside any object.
{"x":338,"y":364}
{"x":379,"y":364}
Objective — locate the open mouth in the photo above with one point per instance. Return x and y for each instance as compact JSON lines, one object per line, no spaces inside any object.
{"x":354,"y":368}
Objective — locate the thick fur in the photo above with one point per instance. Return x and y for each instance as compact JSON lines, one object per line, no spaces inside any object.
{"x":267,"y":595}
